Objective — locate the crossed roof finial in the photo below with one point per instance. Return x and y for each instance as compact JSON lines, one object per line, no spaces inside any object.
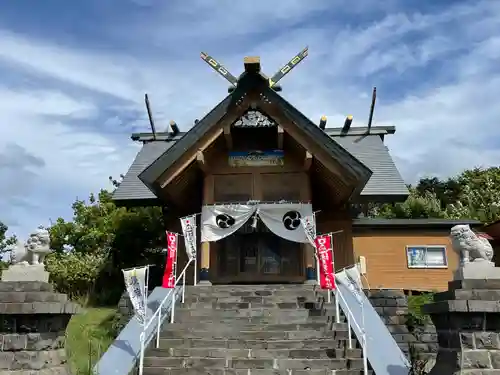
{"x":253,"y":64}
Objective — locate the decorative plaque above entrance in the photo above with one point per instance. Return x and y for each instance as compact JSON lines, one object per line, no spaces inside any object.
{"x":254,"y":119}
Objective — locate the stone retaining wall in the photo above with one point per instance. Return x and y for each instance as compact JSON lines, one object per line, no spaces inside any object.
{"x":33,"y":322}
{"x":392,"y":306}
{"x":467,"y":318}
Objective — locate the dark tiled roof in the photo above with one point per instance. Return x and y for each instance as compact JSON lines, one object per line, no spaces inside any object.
{"x":371,"y":150}
{"x":385,"y":180}
{"x":333,"y":132}
{"x":131,"y":188}
{"x":412,"y":223}
{"x":353,"y":166}
{"x":188,"y":139}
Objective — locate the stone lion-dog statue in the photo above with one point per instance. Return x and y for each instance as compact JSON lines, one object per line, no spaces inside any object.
{"x":34,"y":250}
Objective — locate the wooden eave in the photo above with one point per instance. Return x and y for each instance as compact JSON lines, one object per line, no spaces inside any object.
{"x":357,"y":172}
{"x":253,"y":92}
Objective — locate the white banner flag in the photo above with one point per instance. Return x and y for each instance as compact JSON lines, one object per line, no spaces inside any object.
{"x":309,"y":225}
{"x":352,"y":280}
{"x":188,"y":225}
{"x":136,"y":283}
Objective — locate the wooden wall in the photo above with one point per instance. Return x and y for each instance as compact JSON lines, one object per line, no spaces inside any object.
{"x":386,"y":259}
{"x":224,"y":183}
{"x":342,"y":242}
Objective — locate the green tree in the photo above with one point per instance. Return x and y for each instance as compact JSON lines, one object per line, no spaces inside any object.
{"x":446,"y":191}
{"x":6,"y":242}
{"x":416,"y":206}
{"x":480,"y":196}
{"x":110,"y":238}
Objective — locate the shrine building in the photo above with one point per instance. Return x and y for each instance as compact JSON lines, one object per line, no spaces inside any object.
{"x":255,"y":165}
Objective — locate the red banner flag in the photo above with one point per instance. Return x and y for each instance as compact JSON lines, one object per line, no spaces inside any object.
{"x":324,"y":247}
{"x":171,"y":262}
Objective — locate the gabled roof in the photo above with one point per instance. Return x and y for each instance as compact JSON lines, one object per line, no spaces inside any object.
{"x":384,"y":184}
{"x":386,"y":181}
{"x":408,"y":224}
{"x":131,"y":188}
{"x":354,"y":166}
{"x":169,"y":156}
{"x":339,"y":153}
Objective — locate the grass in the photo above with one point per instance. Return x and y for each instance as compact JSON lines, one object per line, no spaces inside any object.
{"x":88,"y":335}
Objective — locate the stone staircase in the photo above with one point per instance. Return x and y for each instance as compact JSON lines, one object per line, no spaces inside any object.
{"x":254,"y":330}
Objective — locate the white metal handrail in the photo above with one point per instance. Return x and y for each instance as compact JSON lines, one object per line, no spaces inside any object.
{"x":351,"y":319}
{"x":171,"y":295}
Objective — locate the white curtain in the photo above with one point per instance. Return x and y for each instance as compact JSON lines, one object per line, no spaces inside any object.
{"x":284,"y":219}
{"x":220,"y":221}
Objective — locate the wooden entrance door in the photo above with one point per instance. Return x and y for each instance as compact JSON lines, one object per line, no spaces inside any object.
{"x":258,"y":256}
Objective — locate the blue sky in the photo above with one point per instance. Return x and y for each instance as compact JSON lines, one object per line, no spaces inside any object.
{"x":73,"y":75}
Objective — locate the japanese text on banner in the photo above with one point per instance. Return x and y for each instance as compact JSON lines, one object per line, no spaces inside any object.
{"x":324,"y":247}
{"x":171,"y":261}
{"x":188,"y":225}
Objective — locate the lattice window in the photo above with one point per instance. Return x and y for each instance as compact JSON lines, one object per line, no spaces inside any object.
{"x":281,"y":186}
{"x":233,"y":188}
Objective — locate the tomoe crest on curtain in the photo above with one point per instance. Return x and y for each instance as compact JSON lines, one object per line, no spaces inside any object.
{"x":284,"y":220}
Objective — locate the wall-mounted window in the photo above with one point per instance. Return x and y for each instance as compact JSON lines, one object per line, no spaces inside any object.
{"x":426,"y":257}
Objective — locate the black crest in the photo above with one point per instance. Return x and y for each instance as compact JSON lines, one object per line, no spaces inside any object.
{"x":291,"y":220}
{"x":224,"y":221}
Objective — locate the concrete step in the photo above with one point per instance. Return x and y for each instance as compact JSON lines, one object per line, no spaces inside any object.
{"x":246,"y":326}
{"x":252,"y":287}
{"x":257,"y":335}
{"x":240,"y":343}
{"x":252,"y":363}
{"x":274,"y":312}
{"x":253,"y":296}
{"x":227,"y":371}
{"x":257,"y":353}
{"x":254,"y":330}
{"x":254,"y":320}
{"x":256,"y":291}
{"x":248,"y":302}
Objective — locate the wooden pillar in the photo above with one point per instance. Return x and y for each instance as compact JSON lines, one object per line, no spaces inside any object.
{"x":309,"y":258}
{"x":205,"y":264}
{"x":204,"y":268}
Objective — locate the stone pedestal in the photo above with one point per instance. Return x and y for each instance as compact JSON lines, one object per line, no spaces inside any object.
{"x":28,"y":272}
{"x":478,"y":270}
{"x":467,"y":320}
{"x":33,"y":320}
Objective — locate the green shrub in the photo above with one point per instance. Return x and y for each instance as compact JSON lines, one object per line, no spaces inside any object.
{"x":75,"y":274}
{"x":416,"y":317}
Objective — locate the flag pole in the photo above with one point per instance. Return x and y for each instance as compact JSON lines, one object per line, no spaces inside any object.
{"x":333,"y":266}
{"x":195,"y":265}
{"x":146,"y":290}
{"x":316,"y":250}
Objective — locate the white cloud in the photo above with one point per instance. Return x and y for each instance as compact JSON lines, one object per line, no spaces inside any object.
{"x":437,"y":75}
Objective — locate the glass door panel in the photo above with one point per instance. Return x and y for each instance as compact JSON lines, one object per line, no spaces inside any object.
{"x":269,"y":254}
{"x":248,"y":254}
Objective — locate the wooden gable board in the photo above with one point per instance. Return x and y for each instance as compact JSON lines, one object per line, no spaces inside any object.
{"x":354,"y":166}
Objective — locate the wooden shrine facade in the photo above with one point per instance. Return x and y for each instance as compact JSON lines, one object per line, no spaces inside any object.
{"x":255,"y":146}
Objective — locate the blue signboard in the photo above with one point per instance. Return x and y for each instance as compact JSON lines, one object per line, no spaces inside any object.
{"x":256,"y":158}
